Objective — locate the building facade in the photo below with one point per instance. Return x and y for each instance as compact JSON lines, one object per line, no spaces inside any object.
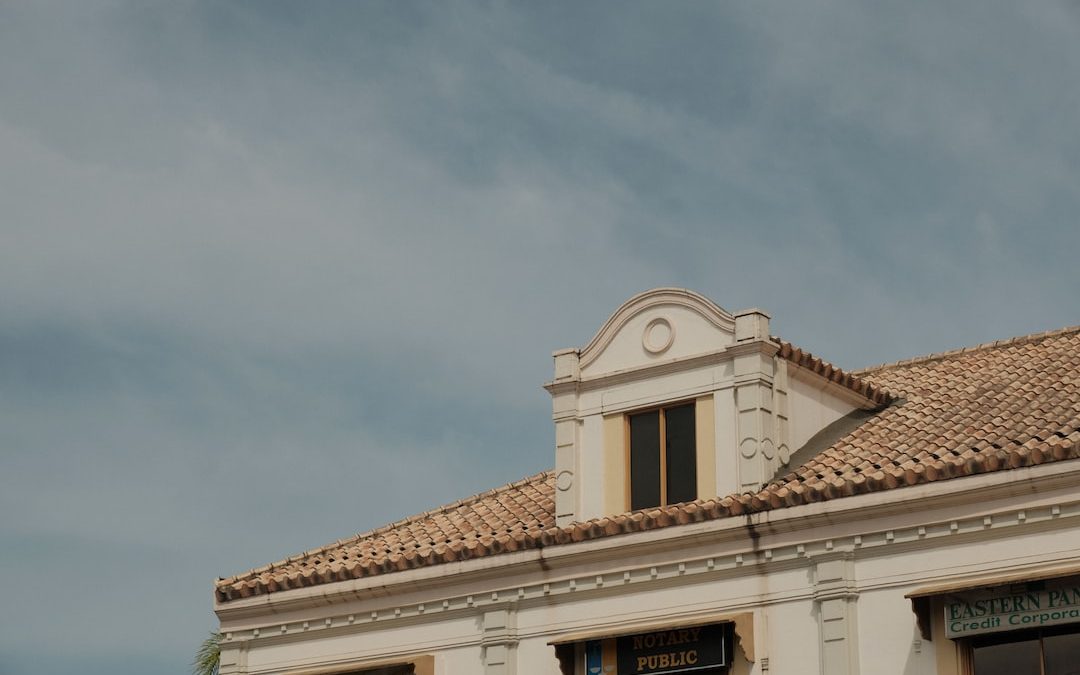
{"x":723,"y":502}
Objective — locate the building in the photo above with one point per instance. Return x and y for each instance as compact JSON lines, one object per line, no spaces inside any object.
{"x":724,"y":502}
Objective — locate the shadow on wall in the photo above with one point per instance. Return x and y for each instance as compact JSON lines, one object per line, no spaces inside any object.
{"x":921,"y":654}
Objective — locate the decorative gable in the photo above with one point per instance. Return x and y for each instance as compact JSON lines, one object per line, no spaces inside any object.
{"x":676,"y":398}
{"x":657,"y":326}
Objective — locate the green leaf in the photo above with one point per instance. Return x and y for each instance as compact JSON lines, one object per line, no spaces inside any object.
{"x":208,"y":658}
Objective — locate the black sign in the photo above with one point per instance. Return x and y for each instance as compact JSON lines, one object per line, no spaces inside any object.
{"x":679,"y":650}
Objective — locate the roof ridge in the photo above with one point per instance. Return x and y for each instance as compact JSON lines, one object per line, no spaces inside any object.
{"x":940,"y":356}
{"x":445,"y":508}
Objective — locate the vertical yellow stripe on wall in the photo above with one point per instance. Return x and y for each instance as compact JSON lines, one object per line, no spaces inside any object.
{"x":615,"y":471}
{"x":953,"y":658}
{"x":705,"y":419}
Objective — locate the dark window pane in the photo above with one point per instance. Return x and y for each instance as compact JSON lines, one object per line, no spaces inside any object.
{"x":1062,"y":654}
{"x":1012,"y":658}
{"x":645,"y":460}
{"x":681,"y":454}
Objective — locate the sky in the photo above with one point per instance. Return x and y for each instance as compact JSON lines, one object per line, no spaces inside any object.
{"x":273,"y":273}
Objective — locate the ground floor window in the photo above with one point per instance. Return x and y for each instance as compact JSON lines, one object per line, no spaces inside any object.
{"x":1053,"y":651}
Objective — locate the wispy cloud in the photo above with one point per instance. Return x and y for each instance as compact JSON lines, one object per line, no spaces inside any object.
{"x":275,"y":273}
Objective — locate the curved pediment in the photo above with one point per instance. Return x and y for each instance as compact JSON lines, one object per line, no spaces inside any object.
{"x":658,"y":325}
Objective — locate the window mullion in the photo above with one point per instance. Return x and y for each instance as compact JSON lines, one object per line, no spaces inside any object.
{"x":1042,"y":654}
{"x":663,"y":458}
{"x":627,"y":454}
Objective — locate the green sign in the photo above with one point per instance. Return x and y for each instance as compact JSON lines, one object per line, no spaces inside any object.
{"x":1006,"y":609}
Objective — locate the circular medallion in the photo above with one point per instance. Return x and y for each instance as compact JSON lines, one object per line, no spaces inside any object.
{"x":658,"y":336}
{"x":564,"y":480}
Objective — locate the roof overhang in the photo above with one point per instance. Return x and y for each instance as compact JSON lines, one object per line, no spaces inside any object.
{"x":992,"y":581}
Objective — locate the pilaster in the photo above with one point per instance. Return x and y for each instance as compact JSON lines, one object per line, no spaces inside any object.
{"x":782,"y":413}
{"x":500,"y":642}
{"x":836,"y":598}
{"x":564,"y":410}
{"x":232,"y":659}
{"x":566,"y":494}
{"x":755,"y":372}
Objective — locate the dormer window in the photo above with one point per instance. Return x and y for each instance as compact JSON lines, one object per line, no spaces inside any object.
{"x":662,"y":456}
{"x":676,"y":399}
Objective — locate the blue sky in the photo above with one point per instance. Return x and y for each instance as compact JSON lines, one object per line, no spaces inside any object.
{"x":275,"y":273}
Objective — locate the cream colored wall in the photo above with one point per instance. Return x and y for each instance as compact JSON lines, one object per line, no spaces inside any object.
{"x":889,"y":638}
{"x":452,"y":642}
{"x":792,"y":640}
{"x":812,"y":406}
{"x":725,"y":433}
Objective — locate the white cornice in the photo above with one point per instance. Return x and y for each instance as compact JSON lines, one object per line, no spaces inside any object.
{"x":614,"y":581}
{"x":639,"y":373}
{"x":677,"y":365}
{"x":926,"y":516}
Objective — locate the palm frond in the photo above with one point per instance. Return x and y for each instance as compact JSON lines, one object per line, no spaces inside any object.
{"x":208,"y":658}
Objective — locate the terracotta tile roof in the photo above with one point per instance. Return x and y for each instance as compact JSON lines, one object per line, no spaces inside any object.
{"x":996,"y":406}
{"x":993,"y":407}
{"x":485,"y":524}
